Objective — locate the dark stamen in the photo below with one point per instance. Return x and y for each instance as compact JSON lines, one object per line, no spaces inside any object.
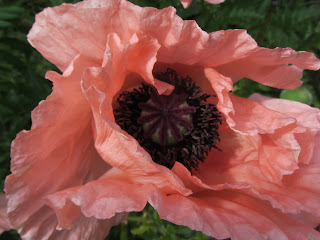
{"x":180,"y":127}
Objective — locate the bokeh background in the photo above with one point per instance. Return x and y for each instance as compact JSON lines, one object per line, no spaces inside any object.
{"x":282,"y":23}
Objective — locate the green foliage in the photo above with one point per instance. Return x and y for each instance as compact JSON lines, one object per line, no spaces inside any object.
{"x":148,"y":225}
{"x":292,"y":23}
{"x":301,"y":94}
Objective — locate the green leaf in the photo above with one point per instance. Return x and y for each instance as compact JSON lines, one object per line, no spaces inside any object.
{"x":4,"y":24}
{"x":301,"y":94}
{"x":142,"y":229}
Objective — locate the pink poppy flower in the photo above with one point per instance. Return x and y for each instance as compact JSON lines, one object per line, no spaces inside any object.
{"x":127,"y":124}
{"x":186,"y":3}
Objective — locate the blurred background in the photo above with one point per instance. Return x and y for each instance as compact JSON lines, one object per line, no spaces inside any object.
{"x":282,"y":23}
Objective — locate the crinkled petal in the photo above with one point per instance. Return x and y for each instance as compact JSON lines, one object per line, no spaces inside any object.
{"x":190,"y":181}
{"x":102,"y":199}
{"x":58,"y":152}
{"x":244,"y":115}
{"x":192,"y":46}
{"x":226,"y":214}
{"x":241,"y":166}
{"x":280,"y":68}
{"x":60,"y":47}
{"x":299,"y":191}
{"x":306,"y":219}
{"x":252,"y":118}
{"x":316,"y":150}
{"x":42,"y":226}
{"x":306,"y":116}
{"x":59,"y":37}
{"x":304,"y":186}
{"x":222,"y":86}
{"x":281,"y":152}
{"x":4,"y":220}
{"x":61,"y":33}
{"x":136,"y":56}
{"x":121,"y":62}
{"x":89,"y":228}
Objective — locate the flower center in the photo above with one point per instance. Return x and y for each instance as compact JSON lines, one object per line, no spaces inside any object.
{"x":166,"y":119}
{"x":180,"y":127}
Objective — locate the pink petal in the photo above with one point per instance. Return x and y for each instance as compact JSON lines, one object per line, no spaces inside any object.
{"x":316,"y":150}
{"x":137,"y":56}
{"x":241,"y":166}
{"x":90,"y":228}
{"x":297,"y":192}
{"x":304,"y":186}
{"x":59,"y":37}
{"x":222,"y":86}
{"x":191,"y":182}
{"x":239,"y":149}
{"x":190,"y":45}
{"x":61,"y":47}
{"x":123,"y":60}
{"x":4,"y":220}
{"x":56,"y":32}
{"x":305,"y":115}
{"x":229,"y":214}
{"x":251,"y":118}
{"x":278,"y":157}
{"x":280,"y":68}
{"x":101,"y":199}
{"x":42,"y":226}
{"x":58,"y":152}
{"x":244,"y":115}
{"x":306,"y":219}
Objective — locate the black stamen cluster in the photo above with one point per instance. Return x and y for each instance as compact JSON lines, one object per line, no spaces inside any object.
{"x":196,"y":143}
